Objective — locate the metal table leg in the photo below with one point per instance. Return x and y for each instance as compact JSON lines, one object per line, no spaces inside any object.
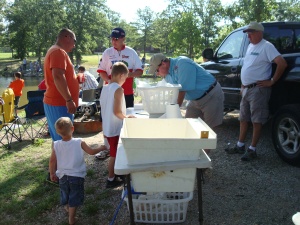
{"x":200,"y":205}
{"x":130,"y":200}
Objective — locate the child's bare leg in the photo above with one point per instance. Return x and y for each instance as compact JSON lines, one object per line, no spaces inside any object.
{"x":111,"y":165}
{"x":66,"y":207}
{"x":72,"y":213}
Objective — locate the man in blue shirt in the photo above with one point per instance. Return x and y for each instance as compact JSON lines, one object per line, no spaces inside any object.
{"x":204,"y":93}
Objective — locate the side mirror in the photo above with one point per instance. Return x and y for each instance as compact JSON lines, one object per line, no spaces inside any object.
{"x":208,"y":53}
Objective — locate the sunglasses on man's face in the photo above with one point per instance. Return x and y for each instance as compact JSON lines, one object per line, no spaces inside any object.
{"x":74,"y":39}
{"x":114,"y":39}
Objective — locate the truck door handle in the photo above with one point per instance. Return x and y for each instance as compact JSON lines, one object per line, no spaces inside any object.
{"x":234,"y":69}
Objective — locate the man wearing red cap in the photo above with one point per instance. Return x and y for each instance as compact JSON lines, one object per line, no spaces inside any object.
{"x":119,"y":52}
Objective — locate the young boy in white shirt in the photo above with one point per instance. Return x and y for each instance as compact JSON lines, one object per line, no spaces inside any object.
{"x":67,"y":164}
{"x":113,"y":111}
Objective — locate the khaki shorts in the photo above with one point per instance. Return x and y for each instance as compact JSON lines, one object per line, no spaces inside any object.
{"x":209,"y":108}
{"x":254,"y":105}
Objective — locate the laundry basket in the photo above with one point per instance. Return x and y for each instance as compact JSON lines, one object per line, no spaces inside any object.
{"x":156,"y":98}
{"x":165,"y":207}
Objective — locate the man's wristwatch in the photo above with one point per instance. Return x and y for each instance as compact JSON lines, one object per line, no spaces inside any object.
{"x":272,"y":80}
{"x":70,"y":100}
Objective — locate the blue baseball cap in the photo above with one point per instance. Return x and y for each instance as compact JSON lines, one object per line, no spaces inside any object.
{"x":117,"y":33}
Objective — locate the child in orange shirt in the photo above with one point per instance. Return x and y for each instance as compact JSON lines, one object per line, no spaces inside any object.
{"x":17,"y":86}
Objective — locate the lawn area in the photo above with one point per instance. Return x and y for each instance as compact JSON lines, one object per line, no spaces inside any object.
{"x":26,"y":197}
{"x":88,"y":61}
{"x":22,"y":186}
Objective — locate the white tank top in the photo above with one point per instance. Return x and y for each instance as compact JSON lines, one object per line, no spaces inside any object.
{"x":70,"y":158}
{"x":111,"y":124}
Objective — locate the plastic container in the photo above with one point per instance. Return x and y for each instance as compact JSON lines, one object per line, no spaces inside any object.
{"x":164,"y":140}
{"x":164,"y":181}
{"x":168,"y":207}
{"x":156,"y":98}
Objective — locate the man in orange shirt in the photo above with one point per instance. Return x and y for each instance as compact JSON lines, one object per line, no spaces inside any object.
{"x":61,"y":96}
{"x":17,"y":86}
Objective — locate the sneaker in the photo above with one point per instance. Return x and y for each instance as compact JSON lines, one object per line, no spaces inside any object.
{"x":236,"y":149}
{"x":121,"y":177}
{"x":114,"y":183}
{"x":249,"y":155}
{"x":56,"y":183}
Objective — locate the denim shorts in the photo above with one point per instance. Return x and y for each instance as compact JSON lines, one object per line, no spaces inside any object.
{"x":71,"y":191}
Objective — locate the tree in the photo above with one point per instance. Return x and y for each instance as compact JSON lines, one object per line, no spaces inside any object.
{"x":2,"y":28}
{"x":89,"y":23}
{"x":144,"y":26}
{"x":35,"y":33}
{"x":288,"y":10}
{"x":185,"y":35}
{"x":202,"y":16}
{"x":246,"y":11}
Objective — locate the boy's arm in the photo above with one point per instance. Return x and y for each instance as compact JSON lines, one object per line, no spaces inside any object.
{"x":90,"y":150}
{"x":118,"y":104}
{"x":53,"y":165}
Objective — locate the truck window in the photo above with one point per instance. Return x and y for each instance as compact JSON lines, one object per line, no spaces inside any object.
{"x":297,"y":42}
{"x":283,"y":39}
{"x":271,"y":34}
{"x":231,"y":46}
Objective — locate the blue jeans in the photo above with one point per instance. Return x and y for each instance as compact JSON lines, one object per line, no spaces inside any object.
{"x":71,"y":191}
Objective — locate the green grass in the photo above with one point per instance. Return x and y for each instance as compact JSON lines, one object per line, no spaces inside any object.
{"x":25,"y":197}
{"x":5,"y":55}
{"x":22,"y":183}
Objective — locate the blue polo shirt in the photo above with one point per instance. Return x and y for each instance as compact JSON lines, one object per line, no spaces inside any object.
{"x":194,"y":79}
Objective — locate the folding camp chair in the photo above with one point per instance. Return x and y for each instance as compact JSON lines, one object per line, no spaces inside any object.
{"x":34,"y":123}
{"x":9,"y":124}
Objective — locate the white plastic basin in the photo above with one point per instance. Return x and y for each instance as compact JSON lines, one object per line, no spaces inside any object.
{"x":164,"y":181}
{"x":164,"y":140}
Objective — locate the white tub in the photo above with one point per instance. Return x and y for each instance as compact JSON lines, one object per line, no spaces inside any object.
{"x":164,"y":181}
{"x":164,"y":140}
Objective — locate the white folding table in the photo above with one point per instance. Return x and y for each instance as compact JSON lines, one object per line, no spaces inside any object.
{"x":122,"y":168}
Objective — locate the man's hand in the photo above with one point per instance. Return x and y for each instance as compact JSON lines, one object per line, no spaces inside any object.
{"x":53,"y":178}
{"x":71,"y":107}
{"x":265,"y":83}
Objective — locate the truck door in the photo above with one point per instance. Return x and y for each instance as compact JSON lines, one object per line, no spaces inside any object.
{"x":226,"y":67}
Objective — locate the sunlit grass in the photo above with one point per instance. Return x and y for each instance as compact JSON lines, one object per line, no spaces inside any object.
{"x":22,"y":186}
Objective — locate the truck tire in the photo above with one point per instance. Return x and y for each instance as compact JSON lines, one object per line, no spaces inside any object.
{"x":286,"y":134}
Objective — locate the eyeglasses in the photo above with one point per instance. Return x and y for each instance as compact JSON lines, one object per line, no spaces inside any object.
{"x":114,"y":39}
{"x":159,"y":65}
{"x":74,"y":39}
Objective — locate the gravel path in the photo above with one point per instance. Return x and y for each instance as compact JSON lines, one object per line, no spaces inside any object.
{"x":263,"y":192}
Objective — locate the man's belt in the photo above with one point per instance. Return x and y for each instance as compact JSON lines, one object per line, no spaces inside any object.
{"x":209,"y":89}
{"x":250,"y":85}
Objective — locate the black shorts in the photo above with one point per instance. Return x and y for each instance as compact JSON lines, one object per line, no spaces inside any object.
{"x":129,"y":99}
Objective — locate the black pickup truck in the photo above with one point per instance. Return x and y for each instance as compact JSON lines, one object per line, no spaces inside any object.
{"x":226,"y":62}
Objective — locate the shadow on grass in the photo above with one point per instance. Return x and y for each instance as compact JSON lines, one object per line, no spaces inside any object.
{"x":24,"y":193}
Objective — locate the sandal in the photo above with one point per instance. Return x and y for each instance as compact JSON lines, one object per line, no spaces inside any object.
{"x":102,"y":155}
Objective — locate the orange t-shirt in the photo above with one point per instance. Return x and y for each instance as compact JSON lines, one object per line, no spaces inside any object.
{"x":17,"y":86}
{"x":56,"y":57}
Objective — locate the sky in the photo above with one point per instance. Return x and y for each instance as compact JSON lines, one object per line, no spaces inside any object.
{"x":128,"y":8}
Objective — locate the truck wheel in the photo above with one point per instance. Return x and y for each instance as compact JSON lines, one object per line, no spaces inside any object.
{"x":286,"y":134}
